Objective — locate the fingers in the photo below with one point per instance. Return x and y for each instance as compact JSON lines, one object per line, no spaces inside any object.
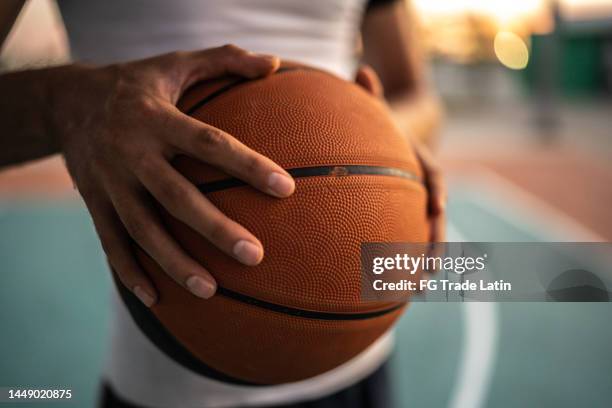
{"x":367,"y":78}
{"x":185,"y":202}
{"x":437,"y":231}
{"x":145,"y":228}
{"x":212,"y":145}
{"x":116,"y":244}
{"x":436,"y":188}
{"x":225,"y":60}
{"x":434,"y":181}
{"x":149,"y":89}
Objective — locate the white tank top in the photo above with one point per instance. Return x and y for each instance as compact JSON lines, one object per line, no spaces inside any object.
{"x":321,"y":33}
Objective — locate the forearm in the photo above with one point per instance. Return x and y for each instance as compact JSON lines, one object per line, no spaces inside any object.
{"x":418,"y":114}
{"x":9,"y":10}
{"x":24,"y":116}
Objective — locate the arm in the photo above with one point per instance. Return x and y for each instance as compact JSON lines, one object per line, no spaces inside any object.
{"x":24,"y":117}
{"x":400,"y":65}
{"x":20,"y":115}
{"x":118,"y":128}
{"x":9,"y":10}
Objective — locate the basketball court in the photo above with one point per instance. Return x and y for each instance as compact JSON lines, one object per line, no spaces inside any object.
{"x":447,"y":354}
{"x":507,"y":183}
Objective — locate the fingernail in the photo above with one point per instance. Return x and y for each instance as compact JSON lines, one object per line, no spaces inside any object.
{"x":200,"y":287}
{"x":280,"y":185}
{"x":144,"y":297}
{"x":442,"y":203}
{"x":247,"y":252}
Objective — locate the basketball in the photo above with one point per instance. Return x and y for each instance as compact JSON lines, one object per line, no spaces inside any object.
{"x":299,"y":312}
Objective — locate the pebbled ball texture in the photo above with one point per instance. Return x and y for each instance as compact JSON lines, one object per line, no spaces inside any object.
{"x":299,"y":117}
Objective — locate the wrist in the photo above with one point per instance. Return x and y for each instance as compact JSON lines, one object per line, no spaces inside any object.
{"x":62,"y":93}
{"x":24,"y":112}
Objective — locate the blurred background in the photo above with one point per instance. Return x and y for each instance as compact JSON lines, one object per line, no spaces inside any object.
{"x":526,"y":146}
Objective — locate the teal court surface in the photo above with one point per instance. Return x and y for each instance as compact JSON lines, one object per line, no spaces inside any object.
{"x":54,"y":315}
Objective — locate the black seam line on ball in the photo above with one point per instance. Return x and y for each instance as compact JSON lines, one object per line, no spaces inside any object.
{"x":155,"y":331}
{"x":306,"y":314}
{"x":229,"y":86}
{"x":320,"y":171}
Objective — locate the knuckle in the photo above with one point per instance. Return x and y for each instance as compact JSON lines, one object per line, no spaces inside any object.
{"x":217,"y":231}
{"x":232,"y":49}
{"x":137,"y":229}
{"x":173,"y":268}
{"x":172,"y":193}
{"x":148,"y":106}
{"x":129,"y":98}
{"x":124,"y":276}
{"x":177,"y":55}
{"x":210,"y":139}
{"x":253,"y":165}
{"x":140,"y":160}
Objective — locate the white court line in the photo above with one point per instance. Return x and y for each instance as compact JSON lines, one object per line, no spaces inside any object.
{"x":511,"y":202}
{"x":477,"y":358}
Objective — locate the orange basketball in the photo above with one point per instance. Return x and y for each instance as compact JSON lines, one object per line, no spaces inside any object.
{"x":299,"y":312}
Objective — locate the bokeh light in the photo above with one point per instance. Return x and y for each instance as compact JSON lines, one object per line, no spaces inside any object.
{"x":511,"y":50}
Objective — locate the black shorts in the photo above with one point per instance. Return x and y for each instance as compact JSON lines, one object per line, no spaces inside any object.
{"x":371,"y":392}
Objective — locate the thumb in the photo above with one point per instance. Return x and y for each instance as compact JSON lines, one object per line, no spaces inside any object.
{"x":225,"y":60}
{"x":367,"y":78}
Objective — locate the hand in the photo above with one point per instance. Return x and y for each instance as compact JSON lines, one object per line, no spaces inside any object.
{"x":436,"y":188}
{"x":433,"y":179}
{"x":118,"y":128}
